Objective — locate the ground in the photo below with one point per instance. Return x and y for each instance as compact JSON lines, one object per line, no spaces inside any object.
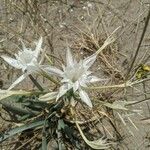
{"x":84,"y":26}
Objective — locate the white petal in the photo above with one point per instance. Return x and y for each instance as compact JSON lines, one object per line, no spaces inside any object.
{"x":93,"y":79}
{"x":75,"y":86}
{"x":88,"y":73}
{"x":62,"y":90}
{"x":38,"y":47}
{"x":64,"y":68}
{"x":52,"y":70}
{"x":69,"y":58}
{"x":11,"y":61}
{"x":33,"y":68}
{"x":23,"y":46}
{"x":88,"y":62}
{"x":48,"y":96}
{"x":85,"y":98}
{"x":74,"y":61}
{"x":65,"y":80}
{"x":21,"y":78}
{"x":82,"y":82}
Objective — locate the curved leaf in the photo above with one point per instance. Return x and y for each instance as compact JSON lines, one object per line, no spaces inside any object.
{"x":20,"y":129}
{"x":96,"y":144}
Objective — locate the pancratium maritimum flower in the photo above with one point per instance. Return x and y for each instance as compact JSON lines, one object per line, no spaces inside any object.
{"x":26,"y":60}
{"x":75,"y":76}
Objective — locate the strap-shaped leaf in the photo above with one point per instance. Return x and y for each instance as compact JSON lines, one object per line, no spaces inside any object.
{"x":17,"y":110}
{"x":44,"y":142}
{"x":96,"y":144}
{"x":20,"y":129}
{"x":5,"y":93}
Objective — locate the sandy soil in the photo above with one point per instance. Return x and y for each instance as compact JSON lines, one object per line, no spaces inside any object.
{"x":66,"y":21}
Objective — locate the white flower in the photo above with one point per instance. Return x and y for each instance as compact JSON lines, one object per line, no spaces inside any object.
{"x":26,"y":60}
{"x":75,"y":76}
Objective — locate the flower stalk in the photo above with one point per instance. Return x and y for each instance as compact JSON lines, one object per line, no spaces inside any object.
{"x":123,"y":85}
{"x":36,"y":83}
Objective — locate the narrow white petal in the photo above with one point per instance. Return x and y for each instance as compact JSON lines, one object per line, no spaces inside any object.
{"x":38,"y":47}
{"x":23,"y":46}
{"x":65,"y":80}
{"x":88,"y":73}
{"x":83,"y":82}
{"x":63,"y":68}
{"x":85,"y":98}
{"x":62,"y":90}
{"x":52,"y":70}
{"x":93,"y":79}
{"x":48,"y":96}
{"x":69,"y":58}
{"x":75,"y":86}
{"x":74,"y":61}
{"x":88,"y":62}
{"x":11,"y":61}
{"x":21,"y":78}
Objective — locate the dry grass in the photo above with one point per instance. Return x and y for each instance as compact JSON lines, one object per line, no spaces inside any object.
{"x":84,"y":29}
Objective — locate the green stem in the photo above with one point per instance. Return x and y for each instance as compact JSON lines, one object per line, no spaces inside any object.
{"x":123,"y":85}
{"x":49,"y":78}
{"x":36,"y":83}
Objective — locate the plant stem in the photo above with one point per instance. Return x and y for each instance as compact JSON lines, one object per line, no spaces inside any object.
{"x":36,"y":83}
{"x":48,"y":77}
{"x":123,"y":85}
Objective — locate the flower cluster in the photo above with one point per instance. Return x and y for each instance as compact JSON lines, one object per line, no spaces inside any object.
{"x":74,"y":76}
{"x":26,"y":60}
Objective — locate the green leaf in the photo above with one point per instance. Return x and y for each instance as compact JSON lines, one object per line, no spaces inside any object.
{"x":69,"y":132}
{"x":17,"y":110}
{"x":35,"y":105}
{"x":121,"y":105}
{"x":22,"y":118}
{"x":96,"y":144}
{"x":44,"y":143}
{"x":48,"y":96}
{"x":5,"y":93}
{"x":61,"y":124}
{"x":20,"y":129}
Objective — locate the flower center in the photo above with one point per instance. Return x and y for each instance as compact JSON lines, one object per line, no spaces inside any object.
{"x":74,"y":73}
{"x":25,"y":57}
